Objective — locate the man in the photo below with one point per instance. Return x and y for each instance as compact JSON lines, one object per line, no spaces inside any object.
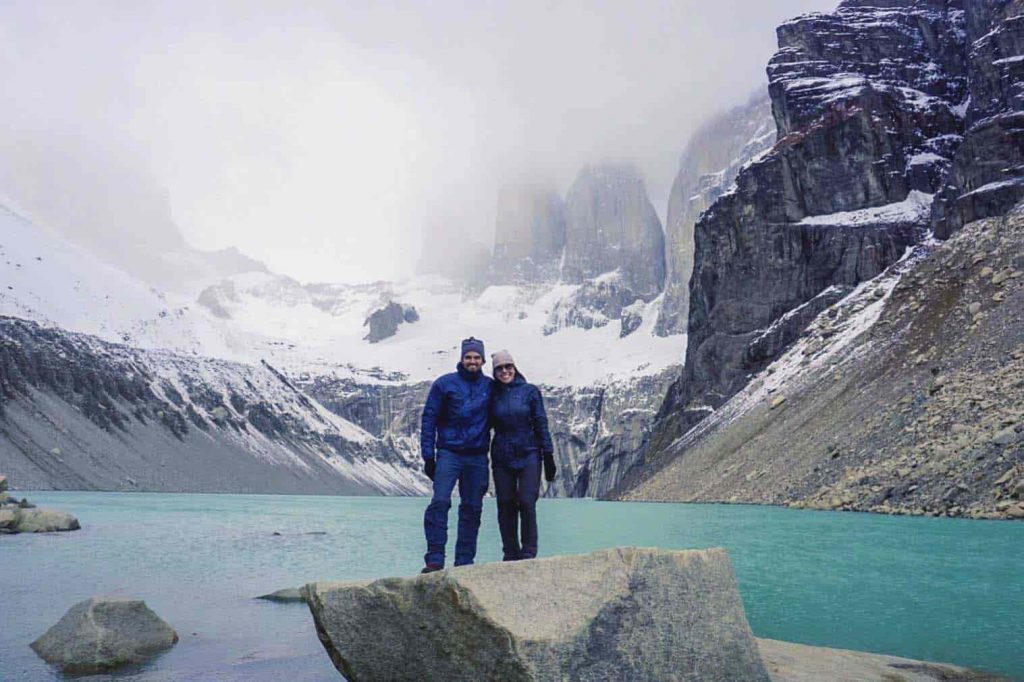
{"x":454,"y":439}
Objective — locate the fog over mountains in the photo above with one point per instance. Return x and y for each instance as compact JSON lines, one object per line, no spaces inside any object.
{"x":803,"y":237}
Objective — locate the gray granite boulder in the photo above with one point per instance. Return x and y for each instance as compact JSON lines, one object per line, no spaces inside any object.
{"x":102,"y":634}
{"x":43,"y":521}
{"x":623,"y":614}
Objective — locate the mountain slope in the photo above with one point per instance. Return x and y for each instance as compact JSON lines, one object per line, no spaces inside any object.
{"x":906,"y":397}
{"x":78,"y":412}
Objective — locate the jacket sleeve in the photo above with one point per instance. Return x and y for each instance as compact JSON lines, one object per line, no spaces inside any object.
{"x":432,"y":410}
{"x":540,"y":423}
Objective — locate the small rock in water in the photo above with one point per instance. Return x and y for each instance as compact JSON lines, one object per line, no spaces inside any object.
{"x":102,"y":634}
{"x":287,"y":595}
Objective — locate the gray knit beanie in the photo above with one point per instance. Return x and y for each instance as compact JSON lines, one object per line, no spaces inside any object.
{"x":472,"y":345}
{"x":502,"y":357}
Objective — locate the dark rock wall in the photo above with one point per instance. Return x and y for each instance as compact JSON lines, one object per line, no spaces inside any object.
{"x":707,"y":168}
{"x":384,"y":321}
{"x":611,"y":224}
{"x":866,"y":104}
{"x":987,"y":176}
{"x":597,"y":430}
{"x":529,"y":235}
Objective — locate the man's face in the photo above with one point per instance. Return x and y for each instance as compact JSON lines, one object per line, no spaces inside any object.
{"x":472,"y":361}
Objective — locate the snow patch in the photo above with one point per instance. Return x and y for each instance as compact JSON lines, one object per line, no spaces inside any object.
{"x":916,"y":208}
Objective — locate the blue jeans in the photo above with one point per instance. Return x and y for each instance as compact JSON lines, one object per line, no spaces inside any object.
{"x":470,"y":472}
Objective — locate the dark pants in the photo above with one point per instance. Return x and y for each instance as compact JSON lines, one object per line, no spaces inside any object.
{"x":517,"y":488}
{"x":470,"y":472}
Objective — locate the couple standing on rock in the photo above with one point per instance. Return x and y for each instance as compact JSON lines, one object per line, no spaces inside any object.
{"x":461,"y":411}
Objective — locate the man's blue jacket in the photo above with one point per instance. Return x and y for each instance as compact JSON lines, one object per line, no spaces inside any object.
{"x":455,"y":415}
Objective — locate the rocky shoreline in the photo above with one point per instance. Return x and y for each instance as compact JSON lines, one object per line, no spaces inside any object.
{"x":21,"y":516}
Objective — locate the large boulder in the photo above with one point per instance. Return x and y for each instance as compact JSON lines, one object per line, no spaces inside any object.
{"x":102,"y":634}
{"x":43,"y":521}
{"x":625,"y":614}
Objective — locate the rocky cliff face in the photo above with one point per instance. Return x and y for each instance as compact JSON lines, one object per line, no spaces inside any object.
{"x":905,"y":397}
{"x":597,"y":431}
{"x":868,"y":105}
{"x":707,"y":168}
{"x":529,"y":235}
{"x":876,"y":114}
{"x":611,"y":225}
{"x":77,"y":412}
{"x":987,"y":175}
{"x":384,"y":321}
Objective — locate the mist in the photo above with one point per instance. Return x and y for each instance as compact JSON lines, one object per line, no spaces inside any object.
{"x":329,"y":140}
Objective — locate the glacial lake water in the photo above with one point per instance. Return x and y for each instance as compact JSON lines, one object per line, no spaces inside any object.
{"x":946,"y":590}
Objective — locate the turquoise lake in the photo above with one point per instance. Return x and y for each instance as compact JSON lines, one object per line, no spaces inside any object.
{"x":947,"y":590}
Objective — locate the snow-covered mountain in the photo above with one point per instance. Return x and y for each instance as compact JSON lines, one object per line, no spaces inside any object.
{"x":106,"y":382}
{"x":261,"y":371}
{"x":321,"y":328}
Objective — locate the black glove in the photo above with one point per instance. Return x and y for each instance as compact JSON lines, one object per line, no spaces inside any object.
{"x":429,"y":467}
{"x":549,"y":467}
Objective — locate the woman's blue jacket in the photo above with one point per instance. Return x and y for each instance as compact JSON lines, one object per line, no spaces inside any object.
{"x":519,"y":421}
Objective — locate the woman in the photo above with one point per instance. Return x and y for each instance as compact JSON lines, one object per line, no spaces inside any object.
{"x":521,"y":443}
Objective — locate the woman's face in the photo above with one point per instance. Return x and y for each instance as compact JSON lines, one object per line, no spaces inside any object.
{"x":505,"y":373}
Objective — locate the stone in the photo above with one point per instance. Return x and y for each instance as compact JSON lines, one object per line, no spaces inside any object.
{"x":1018,"y":490}
{"x":1005,"y":436}
{"x":777,"y":402}
{"x":8,"y":517}
{"x":1016,"y":512}
{"x":102,"y":634}
{"x":1001,"y":277}
{"x":44,"y":521}
{"x":1006,"y":477}
{"x":3,"y":484}
{"x":626,"y":613}
{"x":974,"y":308}
{"x":788,"y":662}
{"x":286,"y":595}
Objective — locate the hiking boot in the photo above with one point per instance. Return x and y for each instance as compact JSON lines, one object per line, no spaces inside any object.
{"x":432,"y":568}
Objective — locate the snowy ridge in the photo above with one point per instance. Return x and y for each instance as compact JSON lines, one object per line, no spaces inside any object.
{"x":303,"y":332}
{"x":915,"y":209}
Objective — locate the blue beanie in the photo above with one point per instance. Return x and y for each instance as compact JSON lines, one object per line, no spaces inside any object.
{"x":471,"y":344}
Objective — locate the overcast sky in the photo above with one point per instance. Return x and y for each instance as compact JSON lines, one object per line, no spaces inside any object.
{"x":322,"y":137}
